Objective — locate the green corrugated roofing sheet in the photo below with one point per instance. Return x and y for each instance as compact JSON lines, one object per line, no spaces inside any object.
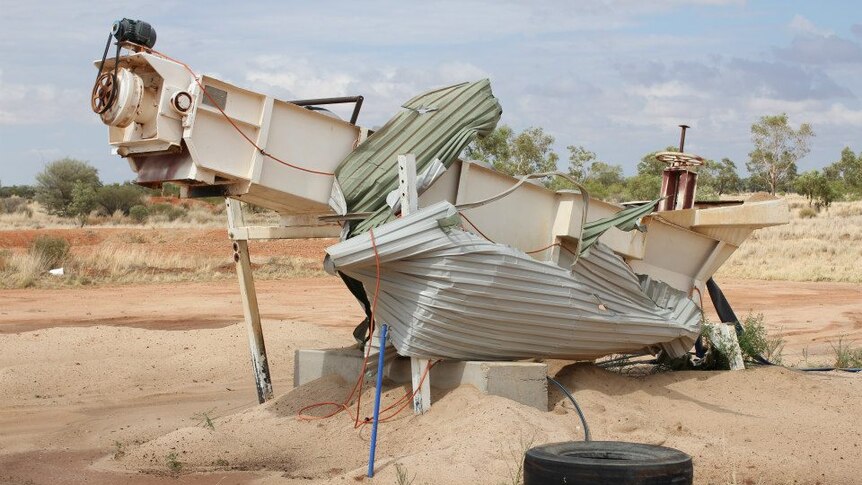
{"x":438,"y":124}
{"x":625,"y":220}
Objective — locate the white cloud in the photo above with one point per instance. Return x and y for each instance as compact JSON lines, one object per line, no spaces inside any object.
{"x":384,"y":87}
{"x":802,"y":25}
{"x":669,"y":89}
{"x":27,"y":104}
{"x":811,"y":111}
{"x":302,"y":80}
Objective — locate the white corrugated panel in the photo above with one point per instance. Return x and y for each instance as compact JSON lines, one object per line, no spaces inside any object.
{"x":451,"y":294}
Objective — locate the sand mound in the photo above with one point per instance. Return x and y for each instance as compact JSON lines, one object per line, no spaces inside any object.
{"x":721,"y":419}
{"x":474,"y":433}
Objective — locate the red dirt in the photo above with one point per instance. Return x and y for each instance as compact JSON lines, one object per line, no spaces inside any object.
{"x":210,"y":242}
{"x":43,"y":438}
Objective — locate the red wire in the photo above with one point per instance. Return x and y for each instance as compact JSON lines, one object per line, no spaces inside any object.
{"x":407,"y":398}
{"x":528,"y":252}
{"x":475,"y":227}
{"x":700,"y":295}
{"x":229,"y":120}
{"x":357,"y":388}
{"x":404,"y":400}
{"x":371,"y":323}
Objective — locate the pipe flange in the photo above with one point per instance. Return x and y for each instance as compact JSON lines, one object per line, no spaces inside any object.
{"x":181,"y":102}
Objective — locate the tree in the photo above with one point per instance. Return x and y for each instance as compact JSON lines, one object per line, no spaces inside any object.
{"x":56,"y":182}
{"x":531,"y":151}
{"x":777,"y":148}
{"x":806,"y":184}
{"x":721,"y":176}
{"x":605,"y":181}
{"x":493,"y":148}
{"x":117,"y":197}
{"x":848,"y":170}
{"x":649,"y":164}
{"x":606,"y":174}
{"x":818,"y":188}
{"x":23,"y":191}
{"x":580,"y":162}
{"x":83,"y":201}
{"x":644,"y":186}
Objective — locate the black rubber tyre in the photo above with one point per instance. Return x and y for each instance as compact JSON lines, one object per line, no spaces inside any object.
{"x":606,"y":462}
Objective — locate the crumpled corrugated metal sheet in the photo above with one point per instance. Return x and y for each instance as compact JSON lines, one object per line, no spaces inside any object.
{"x":625,"y":220}
{"x":438,"y":124}
{"x":447,"y":293}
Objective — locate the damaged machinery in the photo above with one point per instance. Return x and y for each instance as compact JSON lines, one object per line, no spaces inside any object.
{"x":460,"y":261}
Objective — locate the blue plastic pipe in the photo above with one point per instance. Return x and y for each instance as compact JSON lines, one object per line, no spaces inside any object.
{"x":383,"y":330}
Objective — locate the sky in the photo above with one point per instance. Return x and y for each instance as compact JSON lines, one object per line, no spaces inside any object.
{"x":615,"y":76}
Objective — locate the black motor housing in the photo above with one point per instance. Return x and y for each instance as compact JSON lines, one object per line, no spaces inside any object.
{"x":135,"y":31}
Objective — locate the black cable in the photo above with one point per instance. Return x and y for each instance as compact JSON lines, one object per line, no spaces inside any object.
{"x":104,"y":56}
{"x":114,"y":85}
{"x":587,"y":436}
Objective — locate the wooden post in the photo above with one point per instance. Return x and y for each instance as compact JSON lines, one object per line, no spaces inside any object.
{"x":409,"y":204}
{"x":259,"y":363}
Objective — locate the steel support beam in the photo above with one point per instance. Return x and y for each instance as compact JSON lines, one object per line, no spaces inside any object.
{"x":410,"y":203}
{"x":250,"y":309}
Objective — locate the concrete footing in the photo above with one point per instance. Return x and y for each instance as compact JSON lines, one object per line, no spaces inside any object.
{"x":523,"y":382}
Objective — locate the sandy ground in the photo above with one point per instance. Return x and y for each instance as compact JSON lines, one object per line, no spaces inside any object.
{"x":101,"y":385}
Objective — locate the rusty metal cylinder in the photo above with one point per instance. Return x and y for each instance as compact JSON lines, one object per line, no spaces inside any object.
{"x":678,"y":187}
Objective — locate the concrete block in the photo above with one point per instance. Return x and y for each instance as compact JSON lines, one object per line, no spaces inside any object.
{"x":311,"y":364}
{"x":523,"y":382}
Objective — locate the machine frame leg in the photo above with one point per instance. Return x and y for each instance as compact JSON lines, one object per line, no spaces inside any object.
{"x":259,"y":362}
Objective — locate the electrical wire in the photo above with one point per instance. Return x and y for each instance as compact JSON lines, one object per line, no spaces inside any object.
{"x":587,"y":435}
{"x":527,"y":252}
{"x":356,"y":391}
{"x":229,"y":120}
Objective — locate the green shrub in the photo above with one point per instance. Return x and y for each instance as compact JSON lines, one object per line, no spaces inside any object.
{"x":807,"y":213}
{"x":756,"y":341}
{"x":23,"y":191}
{"x":169,"y":211}
{"x":174,"y":464}
{"x":57,"y":181}
{"x":845,"y":355}
{"x":53,"y":251}
{"x":116,"y":197}
{"x":139,"y":213}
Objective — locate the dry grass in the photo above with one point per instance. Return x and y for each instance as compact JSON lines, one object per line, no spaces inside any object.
{"x":137,"y":258}
{"x":114,"y":263}
{"x":34,"y":217}
{"x":21,"y":270}
{"x":827,"y":247}
{"x":192,"y":214}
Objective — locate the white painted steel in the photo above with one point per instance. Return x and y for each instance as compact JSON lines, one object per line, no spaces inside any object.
{"x":202,"y":147}
{"x":451,"y":294}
